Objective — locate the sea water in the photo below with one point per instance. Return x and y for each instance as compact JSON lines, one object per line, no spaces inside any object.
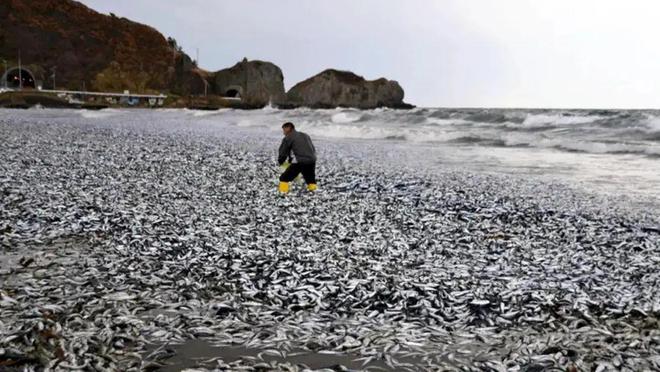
{"x":605,"y":151}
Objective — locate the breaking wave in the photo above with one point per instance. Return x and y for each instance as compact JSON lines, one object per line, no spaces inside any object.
{"x":533,"y":120}
{"x":346,"y":117}
{"x":100,"y":114}
{"x":653,"y":124}
{"x":586,"y":131}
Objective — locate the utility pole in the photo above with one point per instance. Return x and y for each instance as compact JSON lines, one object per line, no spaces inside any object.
{"x":5,"y":72}
{"x":20,"y":72}
{"x":197,"y":58}
{"x":54,"y":71}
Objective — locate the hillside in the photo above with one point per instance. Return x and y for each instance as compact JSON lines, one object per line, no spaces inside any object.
{"x":102,"y":51}
{"x":66,"y":45}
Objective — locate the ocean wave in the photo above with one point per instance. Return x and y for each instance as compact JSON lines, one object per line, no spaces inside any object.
{"x":383,"y":109}
{"x":446,"y":121}
{"x":490,"y":117}
{"x":608,"y":148}
{"x":533,"y":120}
{"x":100,"y":114}
{"x":349,"y":131}
{"x":380,"y":133}
{"x":478,"y":140}
{"x":440,"y":114}
{"x":591,"y":147}
{"x":594,"y":132}
{"x":270,"y":108}
{"x":346,"y":117}
{"x":202,"y":113}
{"x":652,"y":136}
{"x":604,"y":112}
{"x":653,"y":123}
{"x":484,"y":139}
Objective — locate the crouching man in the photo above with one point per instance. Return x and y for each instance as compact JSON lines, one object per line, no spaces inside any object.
{"x":299,"y":150}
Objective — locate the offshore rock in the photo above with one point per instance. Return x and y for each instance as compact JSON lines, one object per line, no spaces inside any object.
{"x":257,"y":83}
{"x":333,"y":88}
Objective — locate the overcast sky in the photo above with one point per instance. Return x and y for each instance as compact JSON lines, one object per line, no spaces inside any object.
{"x":476,"y":53}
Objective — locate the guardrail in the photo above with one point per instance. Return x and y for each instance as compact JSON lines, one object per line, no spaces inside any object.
{"x":104,"y":94}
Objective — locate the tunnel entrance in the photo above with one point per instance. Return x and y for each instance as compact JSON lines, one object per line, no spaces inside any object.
{"x":233,"y":93}
{"x":13,"y":78}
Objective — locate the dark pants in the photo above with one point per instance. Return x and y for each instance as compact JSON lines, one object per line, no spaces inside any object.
{"x":308,"y":172}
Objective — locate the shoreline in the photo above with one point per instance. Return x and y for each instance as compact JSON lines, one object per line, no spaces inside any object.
{"x":181,"y":235}
{"x":30,"y":99}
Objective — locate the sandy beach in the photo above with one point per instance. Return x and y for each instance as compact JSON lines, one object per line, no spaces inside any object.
{"x":125,"y":236}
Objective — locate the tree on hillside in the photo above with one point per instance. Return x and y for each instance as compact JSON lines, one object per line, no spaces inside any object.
{"x":172,"y":43}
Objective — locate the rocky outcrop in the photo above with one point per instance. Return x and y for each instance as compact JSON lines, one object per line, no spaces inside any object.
{"x":333,"y":88}
{"x":258,"y":83}
{"x":84,"y":47}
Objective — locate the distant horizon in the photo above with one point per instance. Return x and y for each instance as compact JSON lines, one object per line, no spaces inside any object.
{"x":476,"y":54}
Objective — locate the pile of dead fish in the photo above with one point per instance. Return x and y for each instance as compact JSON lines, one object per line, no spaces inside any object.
{"x":120,"y":242}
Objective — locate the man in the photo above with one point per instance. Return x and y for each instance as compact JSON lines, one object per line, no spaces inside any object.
{"x":298,"y":148}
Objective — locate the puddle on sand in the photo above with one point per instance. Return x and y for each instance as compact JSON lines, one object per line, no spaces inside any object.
{"x":194,"y":353}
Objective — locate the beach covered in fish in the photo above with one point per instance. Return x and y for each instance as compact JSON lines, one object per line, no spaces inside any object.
{"x":150,"y":240}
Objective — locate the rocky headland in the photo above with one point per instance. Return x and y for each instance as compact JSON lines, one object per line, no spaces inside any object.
{"x":66,"y":45}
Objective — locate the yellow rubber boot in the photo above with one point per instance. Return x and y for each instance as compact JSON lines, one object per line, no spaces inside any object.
{"x":284,"y":187}
{"x":311,"y":187}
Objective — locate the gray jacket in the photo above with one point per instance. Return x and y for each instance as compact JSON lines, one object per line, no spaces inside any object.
{"x":302,"y":147}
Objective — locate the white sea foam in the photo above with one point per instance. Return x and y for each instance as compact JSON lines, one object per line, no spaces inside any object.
{"x":100,"y":114}
{"x":346,"y":117}
{"x":351,"y":131}
{"x":653,"y":123}
{"x":369,"y":132}
{"x":533,"y":120}
{"x":559,"y":130}
{"x":201,"y":113}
